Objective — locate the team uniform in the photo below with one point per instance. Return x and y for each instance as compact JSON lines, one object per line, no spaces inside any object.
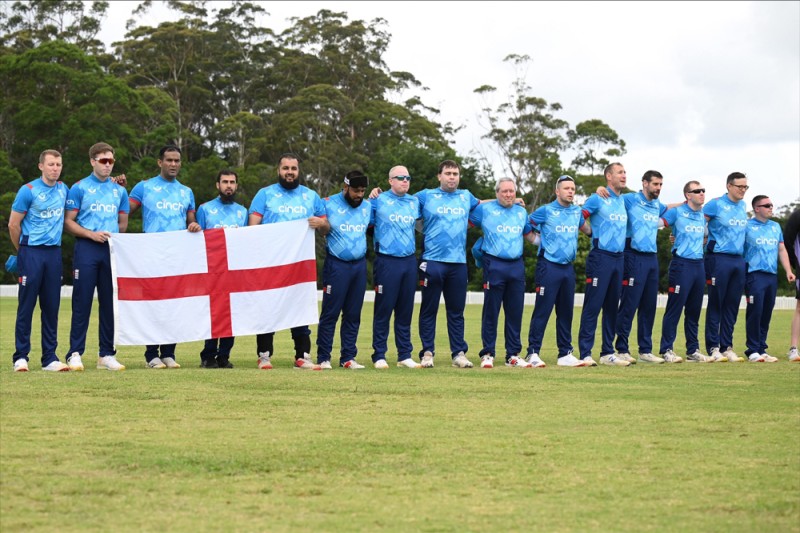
{"x":39,"y":264}
{"x":277,"y":204}
{"x":686,"y":277}
{"x":604,"y":269}
{"x":344,"y":277}
{"x":394,"y":271}
{"x":503,"y":272}
{"x":165,"y":205}
{"x":725,"y":269}
{"x":445,"y":217}
{"x":762,"y":240}
{"x":212,"y":215}
{"x":640,"y":272}
{"x":555,"y":274}
{"x":98,"y":205}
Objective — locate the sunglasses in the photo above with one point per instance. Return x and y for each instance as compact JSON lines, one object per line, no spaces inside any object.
{"x":105,"y":160}
{"x":565,"y":178}
{"x":768,"y":206}
{"x":697,"y":191}
{"x":402,"y":178}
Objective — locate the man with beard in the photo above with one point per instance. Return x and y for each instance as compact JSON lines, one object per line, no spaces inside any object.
{"x":96,"y":208}
{"x":344,"y":274}
{"x":221,"y":212}
{"x":281,"y":202}
{"x":167,"y":205}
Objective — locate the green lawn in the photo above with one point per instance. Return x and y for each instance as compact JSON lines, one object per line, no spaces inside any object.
{"x":646,"y":448}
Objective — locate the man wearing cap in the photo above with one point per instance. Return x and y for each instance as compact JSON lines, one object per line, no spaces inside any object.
{"x":221,"y":212}
{"x":504,"y":224}
{"x":344,"y":273}
{"x":281,"y":202}
{"x":725,"y":267}
{"x":395,"y":214}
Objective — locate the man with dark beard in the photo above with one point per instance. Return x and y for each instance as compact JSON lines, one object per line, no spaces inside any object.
{"x":281,"y":202}
{"x":221,"y":212}
{"x":344,"y":274}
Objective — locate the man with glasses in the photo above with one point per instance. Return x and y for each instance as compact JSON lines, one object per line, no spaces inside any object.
{"x":394,"y":272}
{"x":763,"y":246}
{"x":725,"y":267}
{"x":686,"y":276}
{"x":167,"y":205}
{"x":97,"y":207}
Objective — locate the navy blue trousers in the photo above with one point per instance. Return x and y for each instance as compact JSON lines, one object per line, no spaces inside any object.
{"x":39,"y":278}
{"x":343,"y":284}
{"x":639,"y":296}
{"x":555,"y":287}
{"x":395,"y":281}
{"x":151,"y":351}
{"x":760,"y":289}
{"x":503,"y":285}
{"x":91,"y":268}
{"x":603,"y":285}
{"x":450,"y":280}
{"x":217,"y":348}
{"x":300,"y":334}
{"x":725,"y":277}
{"x":686,"y":280}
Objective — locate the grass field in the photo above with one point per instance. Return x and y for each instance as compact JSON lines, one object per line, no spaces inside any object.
{"x":646,"y":448}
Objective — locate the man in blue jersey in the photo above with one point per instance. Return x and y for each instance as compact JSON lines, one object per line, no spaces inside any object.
{"x":686,"y":275}
{"x":504,"y":224}
{"x":221,"y":212}
{"x":167,"y":205}
{"x":35,"y":226}
{"x":725,"y":267}
{"x":763,"y":246}
{"x":96,"y":208}
{"x":281,"y":202}
{"x":394,"y":271}
{"x":445,"y":214}
{"x":344,"y":273}
{"x":558,"y":223}
{"x":604,"y":267}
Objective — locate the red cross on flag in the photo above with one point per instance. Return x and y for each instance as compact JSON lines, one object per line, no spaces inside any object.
{"x":178,"y":286}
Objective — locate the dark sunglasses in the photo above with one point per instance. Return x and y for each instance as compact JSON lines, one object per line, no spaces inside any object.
{"x":697,"y":191}
{"x":105,"y":160}
{"x":402,"y":178}
{"x":768,"y":206}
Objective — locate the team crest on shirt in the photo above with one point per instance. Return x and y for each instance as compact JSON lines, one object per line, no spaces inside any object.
{"x":115,"y":192}
{"x":183,"y":193}
{"x":305,"y":196}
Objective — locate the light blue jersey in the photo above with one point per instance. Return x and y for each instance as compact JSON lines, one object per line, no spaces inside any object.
{"x":503,"y":228}
{"x":726,"y":223}
{"x":395,"y":219}
{"x":98,"y":203}
{"x":43,"y":207}
{"x":217,"y":214}
{"x":165,"y":204}
{"x":559,"y":227}
{"x":347,"y":239}
{"x":643,"y":215}
{"x":276,"y":204}
{"x":689,"y":228}
{"x":445,"y":217}
{"x":609,"y":221}
{"x":761,"y":245}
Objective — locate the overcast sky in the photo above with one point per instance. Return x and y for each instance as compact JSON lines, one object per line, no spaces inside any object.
{"x":696,"y":89}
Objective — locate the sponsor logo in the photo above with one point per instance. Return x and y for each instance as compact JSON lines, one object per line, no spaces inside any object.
{"x":618,"y":216}
{"x":169,"y":206}
{"x":97,"y":207}
{"x":213,"y":211}
{"x":91,"y":190}
{"x":694,"y":229}
{"x":341,"y":211}
{"x":353,"y":227}
{"x":444,"y":210}
{"x":767,"y":240}
{"x":563,"y":228}
{"x":649,"y":218}
{"x":51,"y":213}
{"x":737,"y":222}
{"x":157,"y":188}
{"x":502,"y":228}
{"x":42,"y":196}
{"x":296,"y":209}
{"x":230,"y":226}
{"x":405,"y":219}
{"x":423,"y":266}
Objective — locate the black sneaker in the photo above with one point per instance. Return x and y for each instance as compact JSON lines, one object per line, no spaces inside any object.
{"x":209,"y":363}
{"x":224,"y":363}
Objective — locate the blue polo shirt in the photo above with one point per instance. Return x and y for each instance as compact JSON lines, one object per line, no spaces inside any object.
{"x":43,"y":207}
{"x":726,"y":225}
{"x":559,"y":227}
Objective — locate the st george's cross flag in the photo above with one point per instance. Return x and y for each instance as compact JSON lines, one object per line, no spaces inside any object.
{"x":179,"y":286}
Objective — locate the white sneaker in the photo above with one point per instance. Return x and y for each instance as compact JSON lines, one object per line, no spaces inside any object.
{"x":650,"y":358}
{"x":698,"y":357}
{"x":325,"y":365}
{"x":381,"y":364}
{"x":170,"y":362}
{"x":589,"y":361}
{"x":487,"y":361}
{"x":21,"y":365}
{"x":768,"y":358}
{"x":518,"y":362}
{"x":109,"y":362}
{"x":74,"y":362}
{"x":409,"y":363}
{"x":793,"y":355}
{"x":626,"y":357}
{"x":732,"y":357}
{"x":461,"y":361}
{"x":56,"y":366}
{"x":427,"y":360}
{"x":264,"y":361}
{"x":352,"y":364}
{"x":535,"y":361}
{"x":612,"y":360}
{"x":672,"y":357}
{"x":716,"y":356}
{"x":155,"y":362}
{"x":305,"y":363}
{"x":756,"y":358}
{"x":570,"y":360}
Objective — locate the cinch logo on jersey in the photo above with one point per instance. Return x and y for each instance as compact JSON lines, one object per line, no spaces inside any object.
{"x":502,"y":228}
{"x":649,"y":218}
{"x":168,"y":206}
{"x":226,"y":226}
{"x":737,"y":222}
{"x":295,"y":209}
{"x":566,"y":229}
{"x":353,"y":227}
{"x":404,"y":219}
{"x":618,"y":216}
{"x":50,"y":213}
{"x":445,"y":210}
{"x":767,"y":240}
{"x":694,"y":229}
{"x":104,"y":208}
